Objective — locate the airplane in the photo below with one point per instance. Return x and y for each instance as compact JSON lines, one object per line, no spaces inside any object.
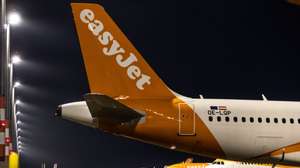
{"x":221,"y":163}
{"x":189,"y":164}
{"x":295,"y":2}
{"x":127,"y":98}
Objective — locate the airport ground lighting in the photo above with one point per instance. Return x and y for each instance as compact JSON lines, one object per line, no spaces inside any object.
{"x":8,"y":20}
{"x":17,"y":123}
{"x":14,"y":18}
{"x":17,"y":84}
{"x":19,"y":138}
{"x":16,"y":59}
{"x":18,"y":102}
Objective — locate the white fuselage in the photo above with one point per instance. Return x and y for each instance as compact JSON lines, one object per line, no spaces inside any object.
{"x":253,"y":128}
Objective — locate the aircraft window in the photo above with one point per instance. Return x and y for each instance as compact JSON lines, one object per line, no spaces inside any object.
{"x":299,"y":120}
{"x":210,"y":118}
{"x":219,"y":118}
{"x":268,"y":120}
{"x":216,"y":162}
{"x":292,"y":121}
{"x":251,"y":119}
{"x":222,"y":163}
{"x":235,"y":119}
{"x":259,"y":119}
{"x":243,"y":119}
{"x":275,"y":120}
{"x":283,"y":120}
{"x":227,"y":119}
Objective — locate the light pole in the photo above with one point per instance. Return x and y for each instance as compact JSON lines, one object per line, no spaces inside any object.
{"x":4,"y":48}
{"x":13,"y":19}
{"x":8,"y":20}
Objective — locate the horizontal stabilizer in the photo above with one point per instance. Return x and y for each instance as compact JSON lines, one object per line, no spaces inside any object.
{"x":105,"y":107}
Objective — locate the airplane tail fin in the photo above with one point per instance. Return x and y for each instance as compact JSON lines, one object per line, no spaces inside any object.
{"x":114,"y":67}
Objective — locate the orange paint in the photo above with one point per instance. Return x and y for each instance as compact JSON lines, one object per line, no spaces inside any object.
{"x":115,"y":68}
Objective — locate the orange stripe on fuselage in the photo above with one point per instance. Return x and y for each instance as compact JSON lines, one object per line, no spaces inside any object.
{"x":287,"y":149}
{"x":161,"y":127}
{"x":189,"y":165}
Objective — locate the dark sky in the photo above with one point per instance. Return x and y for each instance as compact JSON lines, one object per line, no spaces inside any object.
{"x":221,"y":49}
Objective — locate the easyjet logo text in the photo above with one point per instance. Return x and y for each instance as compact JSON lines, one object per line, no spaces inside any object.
{"x":112,"y":48}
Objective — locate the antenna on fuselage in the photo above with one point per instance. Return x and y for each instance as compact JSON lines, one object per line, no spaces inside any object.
{"x":201,"y":96}
{"x":264,"y":97}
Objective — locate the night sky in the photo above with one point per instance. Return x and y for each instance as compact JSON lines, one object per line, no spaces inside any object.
{"x":221,"y":49}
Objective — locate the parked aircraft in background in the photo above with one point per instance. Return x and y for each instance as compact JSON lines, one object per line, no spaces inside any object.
{"x":129,"y":99}
{"x":220,"y":163}
{"x":296,"y":2}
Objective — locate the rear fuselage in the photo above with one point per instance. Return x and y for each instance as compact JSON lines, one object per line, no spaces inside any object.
{"x":235,"y":129}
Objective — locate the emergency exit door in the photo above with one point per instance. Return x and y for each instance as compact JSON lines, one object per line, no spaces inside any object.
{"x":186,"y":117}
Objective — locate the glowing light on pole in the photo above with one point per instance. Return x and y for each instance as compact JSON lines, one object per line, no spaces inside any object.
{"x":14,"y":18}
{"x":17,"y":84}
{"x":16,"y":59}
{"x":18,"y":102}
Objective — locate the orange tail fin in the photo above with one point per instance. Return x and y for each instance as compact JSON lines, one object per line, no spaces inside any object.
{"x":114,"y":67}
